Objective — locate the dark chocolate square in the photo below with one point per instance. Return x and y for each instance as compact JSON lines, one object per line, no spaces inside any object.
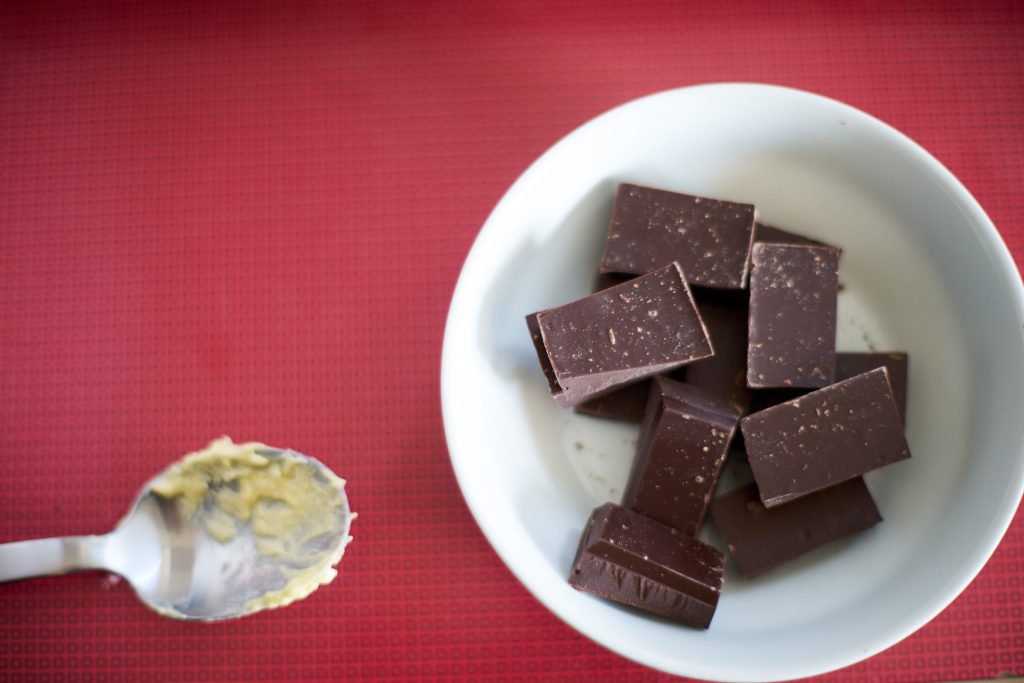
{"x":792,"y":330}
{"x":618,"y":336}
{"x":824,"y":438}
{"x":760,"y":539}
{"x":710,"y":238}
{"x":630,"y":559}
{"x":683,"y":442}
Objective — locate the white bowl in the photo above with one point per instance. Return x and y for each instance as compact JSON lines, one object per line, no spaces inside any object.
{"x":925,"y":271}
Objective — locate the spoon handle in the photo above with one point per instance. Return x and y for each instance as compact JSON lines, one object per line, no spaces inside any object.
{"x":42,"y":556}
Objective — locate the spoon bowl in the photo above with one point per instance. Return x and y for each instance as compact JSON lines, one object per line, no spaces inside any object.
{"x":181,"y":567}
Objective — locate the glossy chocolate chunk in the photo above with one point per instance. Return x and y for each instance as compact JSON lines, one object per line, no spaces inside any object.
{"x":684,"y":438}
{"x":630,"y":559}
{"x":619,"y":335}
{"x":769,"y":233}
{"x":824,"y":438}
{"x":847,"y":365}
{"x":710,"y":238}
{"x":792,"y":325}
{"x":760,"y":539}
{"x":725,"y":373}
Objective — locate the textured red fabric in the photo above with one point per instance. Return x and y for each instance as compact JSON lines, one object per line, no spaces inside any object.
{"x":248,"y":218}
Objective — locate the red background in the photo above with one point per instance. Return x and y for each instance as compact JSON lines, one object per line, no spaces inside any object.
{"x":248,"y":218}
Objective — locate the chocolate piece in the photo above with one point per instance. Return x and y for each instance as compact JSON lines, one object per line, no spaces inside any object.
{"x":725,"y":373}
{"x":724,"y":313}
{"x":847,"y":365}
{"x":627,"y":403}
{"x":853,"y":364}
{"x":792,"y":316}
{"x":619,"y":335}
{"x":683,"y":442}
{"x":824,"y":438}
{"x":760,"y":539}
{"x":630,"y":559}
{"x":769,"y":233}
{"x":710,"y":238}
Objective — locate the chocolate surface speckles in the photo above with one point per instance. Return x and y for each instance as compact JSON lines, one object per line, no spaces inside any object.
{"x":630,"y":559}
{"x":710,"y":238}
{"x":683,"y":442}
{"x":792,"y":324}
{"x":896,"y":362}
{"x":824,"y":438}
{"x":619,"y":335}
{"x":723,"y":374}
{"x":848,"y":364}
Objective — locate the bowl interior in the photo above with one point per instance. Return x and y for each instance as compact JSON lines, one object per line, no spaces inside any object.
{"x":924,"y":272}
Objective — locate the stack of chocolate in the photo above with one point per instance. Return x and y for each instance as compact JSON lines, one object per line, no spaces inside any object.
{"x":717,"y":333}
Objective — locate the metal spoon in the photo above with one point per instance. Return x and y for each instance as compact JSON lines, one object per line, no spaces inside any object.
{"x":172,"y":562}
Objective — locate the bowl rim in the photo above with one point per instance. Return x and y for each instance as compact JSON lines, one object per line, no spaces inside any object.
{"x":478,"y":505}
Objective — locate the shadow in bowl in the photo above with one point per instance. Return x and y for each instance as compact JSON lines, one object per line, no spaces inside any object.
{"x":541,"y":275}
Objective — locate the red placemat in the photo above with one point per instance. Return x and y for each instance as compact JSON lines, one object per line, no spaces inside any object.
{"x":247,"y":218}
